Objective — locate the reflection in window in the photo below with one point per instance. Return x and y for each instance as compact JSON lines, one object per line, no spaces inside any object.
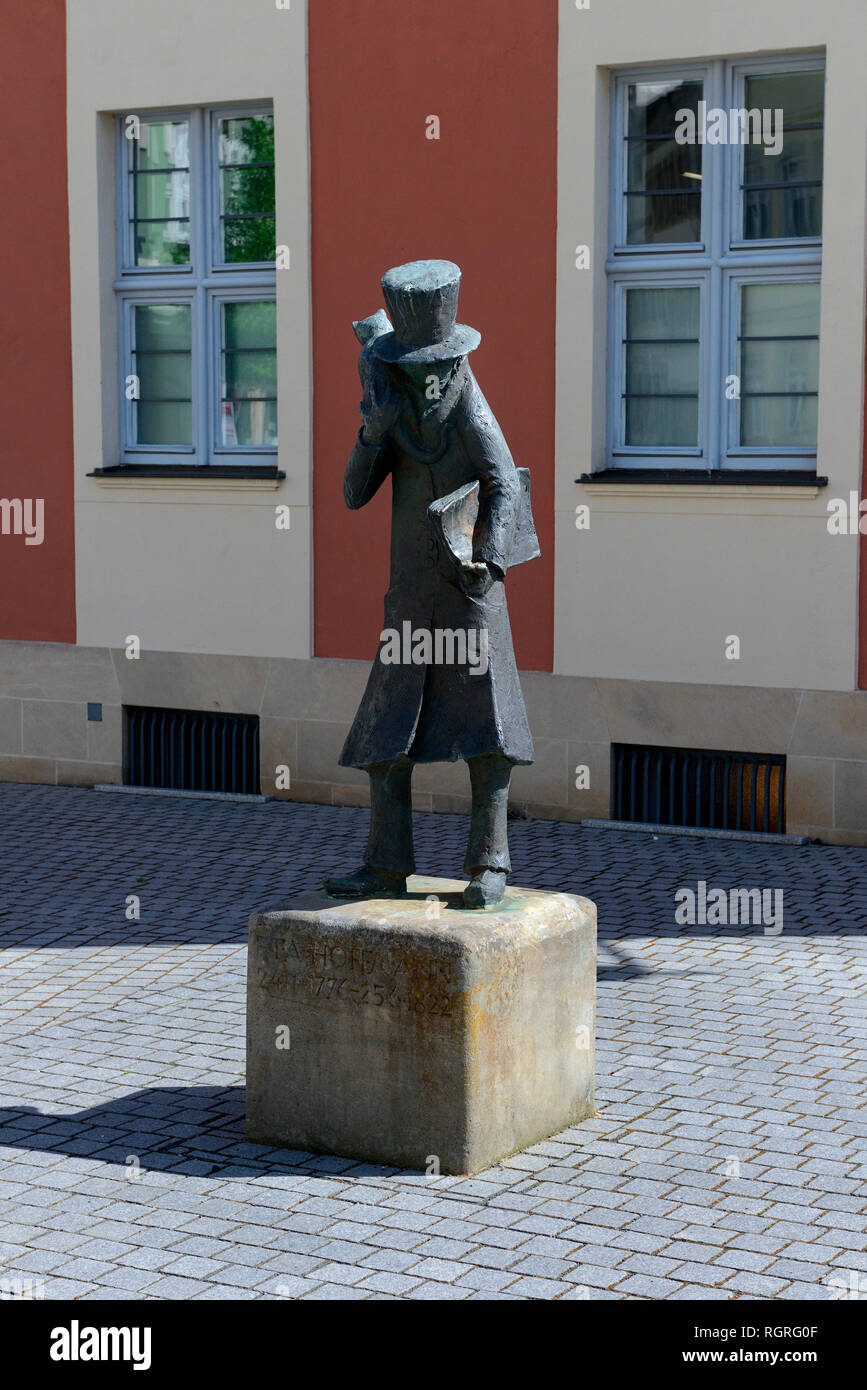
{"x":160,"y":193}
{"x":248,"y":412}
{"x":162,"y":358}
{"x":782,"y":192}
{"x":663,"y":178}
{"x":246,"y":150}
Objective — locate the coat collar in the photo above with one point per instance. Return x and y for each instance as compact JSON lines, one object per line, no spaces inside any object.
{"x":424,"y":435}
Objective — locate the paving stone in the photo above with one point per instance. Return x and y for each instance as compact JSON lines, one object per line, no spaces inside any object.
{"x":647,"y":1286}
{"x":118,"y":1042}
{"x":493,"y":1280}
{"x":336,"y":1273}
{"x":443,"y":1271}
{"x":542,"y":1266}
{"x":385,"y":1281}
{"x":175,"y":1287}
{"x":428,"y":1291}
{"x":759,"y":1285}
{"x":648,"y":1264}
{"x":595,"y":1276}
{"x":336,"y":1293}
{"x":530,"y":1287}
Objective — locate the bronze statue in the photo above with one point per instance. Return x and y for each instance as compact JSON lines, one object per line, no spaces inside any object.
{"x":445,"y":685}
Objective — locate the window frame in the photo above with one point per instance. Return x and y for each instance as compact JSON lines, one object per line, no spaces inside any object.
{"x":205,"y":283}
{"x":127,"y":303}
{"x":654,"y":456}
{"x":736,"y":81}
{"x":215,"y":114}
{"x":720,"y":263}
{"x":223,"y":453}
{"x":622,"y":81}
{"x":734,"y":450}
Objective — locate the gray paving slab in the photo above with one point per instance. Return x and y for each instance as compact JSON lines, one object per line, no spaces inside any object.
{"x":726,"y":1160}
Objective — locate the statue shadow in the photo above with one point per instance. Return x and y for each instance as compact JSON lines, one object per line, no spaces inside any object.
{"x":194,"y":1131}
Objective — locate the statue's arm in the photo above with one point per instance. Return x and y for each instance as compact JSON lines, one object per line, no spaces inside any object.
{"x":370,"y":461}
{"x":499,"y":488}
{"x":366,"y":470}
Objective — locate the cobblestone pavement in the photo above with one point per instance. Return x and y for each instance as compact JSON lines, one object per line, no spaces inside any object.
{"x":727,"y":1159}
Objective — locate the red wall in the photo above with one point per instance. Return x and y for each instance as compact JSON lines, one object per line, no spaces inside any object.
{"x":37,"y":582}
{"x":483,"y":195}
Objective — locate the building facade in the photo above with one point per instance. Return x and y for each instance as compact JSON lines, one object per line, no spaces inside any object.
{"x":660,"y":216}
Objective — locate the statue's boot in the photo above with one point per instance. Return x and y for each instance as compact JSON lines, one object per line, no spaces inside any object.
{"x":366,"y":882}
{"x":485,"y":888}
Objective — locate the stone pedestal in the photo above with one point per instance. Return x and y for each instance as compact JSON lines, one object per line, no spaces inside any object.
{"x":415,"y":1033}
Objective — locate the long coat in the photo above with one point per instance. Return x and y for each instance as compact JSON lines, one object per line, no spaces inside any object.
{"x":442,"y":712}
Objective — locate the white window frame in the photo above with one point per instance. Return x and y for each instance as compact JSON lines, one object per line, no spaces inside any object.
{"x":205,"y":284}
{"x":720,"y":262}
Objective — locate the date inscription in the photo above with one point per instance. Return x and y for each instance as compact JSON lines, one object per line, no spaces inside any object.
{"x":355,"y":976}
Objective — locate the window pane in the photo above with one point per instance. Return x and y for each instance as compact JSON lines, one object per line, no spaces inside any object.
{"x":662,"y":313}
{"x":781,"y":310}
{"x":801,"y":154}
{"x":246,"y":154}
{"x":162,"y":361}
{"x":784,"y":365}
{"x":663,"y":178}
{"x":779,"y":365}
{"x":251,"y":324}
{"x":770,"y":421}
{"x":164,"y":423}
{"x":801,"y":95}
{"x":782,"y":188}
{"x":160,"y":194}
{"x":248,"y":397}
{"x":661,"y":422}
{"x":661,"y":367}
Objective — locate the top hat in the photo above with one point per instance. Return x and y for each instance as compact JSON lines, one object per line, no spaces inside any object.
{"x":422,"y":300}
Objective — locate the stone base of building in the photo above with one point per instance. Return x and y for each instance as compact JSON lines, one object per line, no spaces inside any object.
{"x":305,"y":709}
{"x":415,"y":1033}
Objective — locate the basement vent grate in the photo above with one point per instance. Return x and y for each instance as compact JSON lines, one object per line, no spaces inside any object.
{"x":191,"y":750}
{"x":699,"y":787}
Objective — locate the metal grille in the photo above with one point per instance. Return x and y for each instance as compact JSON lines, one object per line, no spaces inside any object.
{"x":191,"y":750}
{"x":699,"y":787}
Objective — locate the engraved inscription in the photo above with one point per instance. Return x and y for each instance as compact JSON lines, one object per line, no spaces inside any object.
{"x":356,"y":975}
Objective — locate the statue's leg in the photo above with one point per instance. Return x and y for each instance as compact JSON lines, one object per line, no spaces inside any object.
{"x":487,"y":860}
{"x":389,"y":854}
{"x":389,"y":843}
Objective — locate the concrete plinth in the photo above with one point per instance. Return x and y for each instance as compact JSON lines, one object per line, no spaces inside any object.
{"x":416,"y":1033}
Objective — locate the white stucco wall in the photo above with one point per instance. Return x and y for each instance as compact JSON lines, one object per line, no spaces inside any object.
{"x":203,"y":568}
{"x":664,"y":575}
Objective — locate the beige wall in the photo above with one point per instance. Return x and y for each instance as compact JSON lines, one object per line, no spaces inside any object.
{"x":663,"y":576}
{"x":305,"y":709}
{"x":201,"y":568}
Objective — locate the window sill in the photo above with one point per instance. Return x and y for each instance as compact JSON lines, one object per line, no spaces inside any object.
{"x":226,"y":477}
{"x":688,"y":482}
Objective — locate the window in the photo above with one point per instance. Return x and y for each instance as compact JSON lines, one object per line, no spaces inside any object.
{"x":196,"y":287}
{"x":714,"y":265}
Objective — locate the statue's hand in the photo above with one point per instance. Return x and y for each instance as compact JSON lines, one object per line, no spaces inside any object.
{"x":476,"y":577}
{"x":381,"y":404}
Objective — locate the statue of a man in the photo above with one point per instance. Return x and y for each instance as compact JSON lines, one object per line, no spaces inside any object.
{"x":445,"y":685}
